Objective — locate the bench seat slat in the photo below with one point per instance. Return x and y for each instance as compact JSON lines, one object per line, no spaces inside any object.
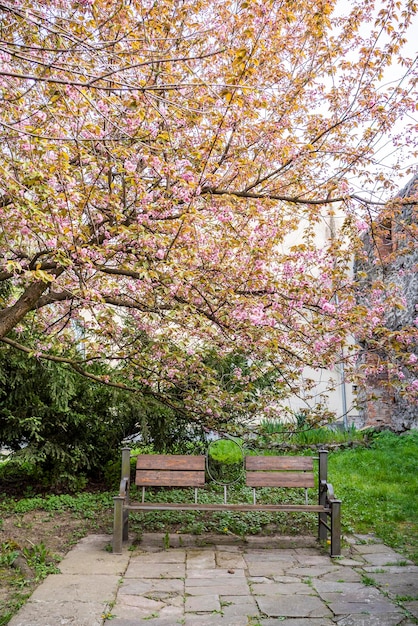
{"x":169,"y":506}
{"x":280,"y":479}
{"x":170,"y":462}
{"x":269,"y":463}
{"x":166,"y":478}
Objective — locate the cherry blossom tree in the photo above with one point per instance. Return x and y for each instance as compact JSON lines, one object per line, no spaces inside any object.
{"x":157,"y":158}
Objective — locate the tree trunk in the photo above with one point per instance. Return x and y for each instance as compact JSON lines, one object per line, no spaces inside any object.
{"x":12,"y":315}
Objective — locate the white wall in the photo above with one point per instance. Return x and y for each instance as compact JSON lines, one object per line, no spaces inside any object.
{"x":331,"y":388}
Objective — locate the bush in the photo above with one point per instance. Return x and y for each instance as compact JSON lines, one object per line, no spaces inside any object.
{"x":61,"y":428}
{"x":225,"y":460}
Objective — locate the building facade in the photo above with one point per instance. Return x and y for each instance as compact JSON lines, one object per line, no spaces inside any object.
{"x":390,"y":265}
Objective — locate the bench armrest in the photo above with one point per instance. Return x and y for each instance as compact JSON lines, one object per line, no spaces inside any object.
{"x":326,"y":493}
{"x":124,"y":487}
{"x":330,"y":492}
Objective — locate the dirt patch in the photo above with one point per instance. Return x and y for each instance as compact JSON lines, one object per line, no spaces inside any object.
{"x":56,"y":532}
{"x":52,"y":534}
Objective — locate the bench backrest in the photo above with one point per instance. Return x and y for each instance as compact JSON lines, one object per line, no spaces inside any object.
{"x":277,"y":471}
{"x":162,"y":470}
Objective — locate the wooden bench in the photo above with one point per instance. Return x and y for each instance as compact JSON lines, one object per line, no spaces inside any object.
{"x":260,"y":471}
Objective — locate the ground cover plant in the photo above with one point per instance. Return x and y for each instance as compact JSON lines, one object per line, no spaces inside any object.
{"x":377,"y":483}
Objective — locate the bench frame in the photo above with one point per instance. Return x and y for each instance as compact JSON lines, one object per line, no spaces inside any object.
{"x":261,"y":471}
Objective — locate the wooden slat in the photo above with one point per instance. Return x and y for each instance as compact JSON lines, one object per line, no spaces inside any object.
{"x":280,"y":479}
{"x":166,"y":478}
{"x":170,"y":506}
{"x":171,"y":462}
{"x":302,"y":463}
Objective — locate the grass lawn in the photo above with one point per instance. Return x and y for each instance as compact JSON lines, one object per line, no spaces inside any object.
{"x":379,"y":490}
{"x":378,"y":486}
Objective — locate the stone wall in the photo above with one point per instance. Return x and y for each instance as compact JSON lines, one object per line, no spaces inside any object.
{"x":392,"y":257}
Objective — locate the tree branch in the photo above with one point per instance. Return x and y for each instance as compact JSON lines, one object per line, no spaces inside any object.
{"x":295,"y":199}
{"x":103,"y":380}
{"x":12,"y":315}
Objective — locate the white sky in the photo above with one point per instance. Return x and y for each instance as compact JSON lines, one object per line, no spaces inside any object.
{"x":388,"y":153}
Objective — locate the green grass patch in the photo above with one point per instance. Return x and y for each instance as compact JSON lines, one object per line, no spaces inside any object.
{"x":82,"y":504}
{"x":302,"y":434}
{"x":378,"y":487}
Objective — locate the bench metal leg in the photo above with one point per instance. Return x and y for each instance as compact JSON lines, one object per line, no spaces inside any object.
{"x":322,"y":526}
{"x":125,"y":534}
{"x":118,"y":524}
{"x":322,"y":495}
{"x":322,"y":517}
{"x":335,"y":527}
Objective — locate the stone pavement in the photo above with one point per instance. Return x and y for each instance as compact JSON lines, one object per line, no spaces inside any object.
{"x":223,"y":581}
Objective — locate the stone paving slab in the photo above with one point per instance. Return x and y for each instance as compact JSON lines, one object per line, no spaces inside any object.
{"x":289,"y":606}
{"x":378,"y":606}
{"x":313,"y":560}
{"x":154,"y":586}
{"x":202,"y":604}
{"x":266,"y":581}
{"x":158,"y":621}
{"x":233,"y":606}
{"x":212,"y":620}
{"x":393,"y":570}
{"x":342,"y":574}
{"x":266,"y":569}
{"x":412,"y":607}
{"x":384,"y":558}
{"x":138,"y":604}
{"x":398,"y":583}
{"x":137,"y":569}
{"x":298,"y":621}
{"x":353,"y":598}
{"x":215,"y":574}
{"x":146,"y":612}
{"x":81,"y":588}
{"x":307,"y":551}
{"x":276,"y":556}
{"x":352,"y":562}
{"x":63,"y":613}
{"x":274,"y":588}
{"x":94,"y":566}
{"x":309,"y":572}
{"x":92,"y":544}
{"x":201,"y":559}
{"x":228,"y":560}
{"x":388,"y":619}
{"x":282,"y":542}
{"x":359,"y":539}
{"x":166,"y":556}
{"x":276,"y":579}
{"x":243,"y":612}
{"x":90,"y":556}
{"x":327,"y":587}
{"x":234,"y":589}
{"x":374,"y":548}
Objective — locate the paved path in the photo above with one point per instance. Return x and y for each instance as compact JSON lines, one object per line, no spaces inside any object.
{"x":273,"y":581}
